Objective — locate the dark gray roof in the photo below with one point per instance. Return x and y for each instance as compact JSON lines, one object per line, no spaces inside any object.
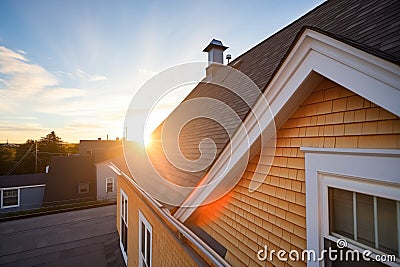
{"x":215,"y":43}
{"x":370,"y":25}
{"x":23,"y":180}
{"x":65,"y":175}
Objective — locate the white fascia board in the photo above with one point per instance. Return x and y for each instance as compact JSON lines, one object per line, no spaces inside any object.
{"x":366,"y":75}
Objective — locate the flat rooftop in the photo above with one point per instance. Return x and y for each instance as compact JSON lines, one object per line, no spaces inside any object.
{"x":78,"y":238}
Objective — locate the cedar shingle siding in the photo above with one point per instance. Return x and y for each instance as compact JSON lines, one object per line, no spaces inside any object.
{"x":275,"y":215}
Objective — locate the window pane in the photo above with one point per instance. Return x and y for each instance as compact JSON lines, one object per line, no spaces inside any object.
{"x":148,"y":249}
{"x":109,"y":187}
{"x":143,"y":236}
{"x":10,"y":197}
{"x":341,"y":212}
{"x":365,"y":219}
{"x":125,"y":237}
{"x":387,"y":226}
{"x":126,"y":210}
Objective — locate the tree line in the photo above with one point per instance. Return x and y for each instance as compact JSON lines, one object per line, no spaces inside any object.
{"x":47,"y":146}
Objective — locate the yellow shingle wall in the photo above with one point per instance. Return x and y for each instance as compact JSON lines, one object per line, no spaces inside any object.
{"x":274,"y":215}
{"x":166,"y":250}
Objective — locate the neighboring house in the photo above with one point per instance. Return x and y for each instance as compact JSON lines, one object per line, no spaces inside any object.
{"x":332,"y":81}
{"x":22,"y":192}
{"x":106,"y":180}
{"x":101,"y":150}
{"x":84,"y":177}
{"x":70,"y":179}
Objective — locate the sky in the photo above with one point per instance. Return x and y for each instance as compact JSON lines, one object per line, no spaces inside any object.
{"x":74,"y":66}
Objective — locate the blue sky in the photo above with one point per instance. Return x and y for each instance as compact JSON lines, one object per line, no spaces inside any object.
{"x":74,"y":66}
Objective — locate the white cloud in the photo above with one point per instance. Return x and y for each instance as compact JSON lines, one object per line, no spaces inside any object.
{"x":97,"y":78}
{"x":81,"y":75}
{"x":22,"y":78}
{"x":62,"y":93}
{"x":21,"y":118}
{"x":22,"y":52}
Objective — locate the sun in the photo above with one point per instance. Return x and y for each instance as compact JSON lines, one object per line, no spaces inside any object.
{"x":147,"y":139}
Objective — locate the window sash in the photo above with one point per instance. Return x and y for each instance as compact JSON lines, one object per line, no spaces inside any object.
{"x":124,"y":236}
{"x":145,"y":242}
{"x":364,"y":232}
{"x":352,"y":184}
{"x":83,"y":188}
{"x":109,"y":184}
{"x":10,"y":198}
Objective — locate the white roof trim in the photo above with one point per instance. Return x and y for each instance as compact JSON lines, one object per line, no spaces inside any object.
{"x":353,"y":151}
{"x":366,"y":75}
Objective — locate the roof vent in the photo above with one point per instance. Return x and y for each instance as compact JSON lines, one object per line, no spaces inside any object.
{"x":215,"y":52}
{"x":228,"y":57}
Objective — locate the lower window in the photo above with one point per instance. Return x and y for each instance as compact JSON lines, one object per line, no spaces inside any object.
{"x":83,"y":188}
{"x":145,"y":239}
{"x":9,"y":198}
{"x":124,"y":226}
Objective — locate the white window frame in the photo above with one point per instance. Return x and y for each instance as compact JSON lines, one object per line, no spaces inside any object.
{"x":112,"y":181}
{"x":11,"y":206}
{"x":124,"y":219}
{"x":83,"y":186}
{"x":369,"y":171}
{"x":148,"y":227}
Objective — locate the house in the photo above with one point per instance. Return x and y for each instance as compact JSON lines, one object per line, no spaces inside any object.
{"x":103,"y":152}
{"x":22,"y":192}
{"x":84,"y":177}
{"x":100,"y":149}
{"x":320,"y":143}
{"x":107,"y":178}
{"x":71,"y":179}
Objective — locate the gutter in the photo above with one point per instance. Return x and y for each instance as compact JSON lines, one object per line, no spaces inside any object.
{"x":198,"y":243}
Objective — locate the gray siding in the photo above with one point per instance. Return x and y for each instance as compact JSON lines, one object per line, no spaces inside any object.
{"x":103,"y":172}
{"x":30,"y":198}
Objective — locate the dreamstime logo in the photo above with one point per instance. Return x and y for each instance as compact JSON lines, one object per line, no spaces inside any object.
{"x":164,"y":169}
{"x":330,"y":254}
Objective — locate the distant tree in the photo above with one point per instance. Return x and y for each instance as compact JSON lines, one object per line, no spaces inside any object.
{"x":72,"y":148}
{"x":28,"y":164}
{"x":7,"y":158}
{"x":51,"y":143}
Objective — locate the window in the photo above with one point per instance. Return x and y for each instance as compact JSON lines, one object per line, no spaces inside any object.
{"x":83,"y":188}
{"x":365,"y":219}
{"x":9,"y":198}
{"x":124,"y":226}
{"x":145,"y":240}
{"x":109,"y":184}
{"x":353,"y":194}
